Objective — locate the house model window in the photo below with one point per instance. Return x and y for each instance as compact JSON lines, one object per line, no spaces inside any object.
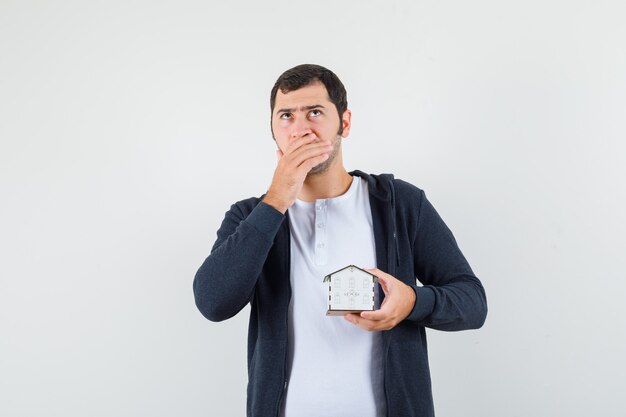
{"x":350,"y":290}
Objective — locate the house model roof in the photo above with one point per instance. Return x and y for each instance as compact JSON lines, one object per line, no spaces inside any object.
{"x":350,"y":290}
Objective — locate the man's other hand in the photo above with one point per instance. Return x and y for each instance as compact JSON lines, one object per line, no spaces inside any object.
{"x":303,"y":153}
{"x":397,"y":305}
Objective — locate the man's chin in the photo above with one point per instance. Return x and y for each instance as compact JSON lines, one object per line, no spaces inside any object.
{"x":323,"y":167}
{"x":319,"y":169}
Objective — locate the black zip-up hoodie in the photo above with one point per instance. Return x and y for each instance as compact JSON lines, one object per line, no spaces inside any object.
{"x":250,"y":263}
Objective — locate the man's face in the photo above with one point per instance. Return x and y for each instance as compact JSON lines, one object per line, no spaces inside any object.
{"x":308,"y":110}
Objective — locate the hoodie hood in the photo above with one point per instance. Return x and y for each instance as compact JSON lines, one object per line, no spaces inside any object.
{"x":381,"y":186}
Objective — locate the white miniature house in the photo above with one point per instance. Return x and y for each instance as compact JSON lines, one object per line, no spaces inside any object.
{"x":350,"y":290}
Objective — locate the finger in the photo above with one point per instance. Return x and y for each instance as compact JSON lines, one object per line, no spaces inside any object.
{"x":307,"y":139}
{"x":309,"y":150}
{"x":377,"y":273}
{"x":308,"y":147}
{"x":303,"y":160}
{"x":302,"y":155}
{"x":376,"y":315}
{"x":382,"y":278}
{"x":351,"y":317}
{"x":374,"y":271}
{"x":365,"y":324}
{"x":313,"y":154}
{"x":385,"y":280}
{"x":308,"y":164}
{"x":298,"y":142}
{"x":385,"y":284}
{"x":279,"y":154}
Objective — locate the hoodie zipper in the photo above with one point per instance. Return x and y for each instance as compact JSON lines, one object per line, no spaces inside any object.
{"x":393,"y":223}
{"x":288,"y":269}
{"x":392,"y":272}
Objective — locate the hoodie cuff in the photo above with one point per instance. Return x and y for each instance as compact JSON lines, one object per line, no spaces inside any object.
{"x":266,"y":219}
{"x":424,"y":303}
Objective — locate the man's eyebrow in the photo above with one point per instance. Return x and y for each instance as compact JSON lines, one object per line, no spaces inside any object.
{"x":303,"y":108}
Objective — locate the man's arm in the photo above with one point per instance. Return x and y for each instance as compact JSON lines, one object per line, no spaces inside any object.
{"x":225,"y":282}
{"x":452,"y":298}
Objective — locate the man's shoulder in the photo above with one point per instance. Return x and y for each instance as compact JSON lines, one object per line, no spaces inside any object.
{"x":406,"y":188}
{"x":408,"y":197}
{"x":246,"y":205}
{"x":387,"y":185}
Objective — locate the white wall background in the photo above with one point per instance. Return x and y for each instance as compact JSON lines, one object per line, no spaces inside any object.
{"x":128,"y":128}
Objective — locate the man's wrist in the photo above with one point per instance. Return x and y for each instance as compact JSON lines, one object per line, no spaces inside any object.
{"x":276,"y":203}
{"x":424,"y":302}
{"x":412,"y":299}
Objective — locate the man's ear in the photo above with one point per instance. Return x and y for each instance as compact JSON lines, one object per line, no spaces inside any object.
{"x":346,"y":123}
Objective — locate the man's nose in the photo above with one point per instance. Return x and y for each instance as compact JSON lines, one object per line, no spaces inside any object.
{"x":300,"y":128}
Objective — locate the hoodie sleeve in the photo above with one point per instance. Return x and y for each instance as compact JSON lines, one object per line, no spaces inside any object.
{"x":452,"y":297}
{"x":225,"y":282}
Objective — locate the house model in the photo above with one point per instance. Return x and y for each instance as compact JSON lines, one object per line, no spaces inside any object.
{"x":350,"y":290}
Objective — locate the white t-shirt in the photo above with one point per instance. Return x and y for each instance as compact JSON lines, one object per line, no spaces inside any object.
{"x":334,"y":367}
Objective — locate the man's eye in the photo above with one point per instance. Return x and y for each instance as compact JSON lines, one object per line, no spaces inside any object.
{"x":284,"y":116}
{"x":315,"y":113}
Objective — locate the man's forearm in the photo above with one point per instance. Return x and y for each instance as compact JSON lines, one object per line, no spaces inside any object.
{"x":225,"y":282}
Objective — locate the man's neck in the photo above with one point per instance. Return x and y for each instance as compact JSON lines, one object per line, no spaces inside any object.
{"x":332,"y":183}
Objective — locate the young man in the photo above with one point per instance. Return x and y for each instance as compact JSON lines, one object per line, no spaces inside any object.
{"x":317,"y":218}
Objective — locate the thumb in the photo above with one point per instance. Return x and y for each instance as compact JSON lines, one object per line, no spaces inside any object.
{"x":382,"y":279}
{"x":384,"y":283}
